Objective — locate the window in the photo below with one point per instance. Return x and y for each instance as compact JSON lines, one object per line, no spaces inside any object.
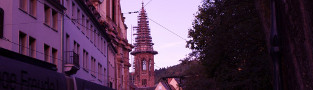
{"x":93,"y":66}
{"x":47,"y":53}
{"x":122,"y":79}
{"x":108,"y":8}
{"x":104,"y":47}
{"x":99,"y":42}
{"x":67,"y":42}
{"x":22,"y":43}
{"x":78,"y":17}
{"x":1,"y":22}
{"x":100,"y":71}
{"x":113,"y":10}
{"x":23,"y":5}
{"x":73,"y":10}
{"x":87,"y":28}
{"x":32,"y":47}
{"x":96,"y":38}
{"x":111,"y":85}
{"x":55,"y":20}
{"x":144,"y":82}
{"x":68,"y":7}
{"x":91,"y":32}
{"x":54,"y":56}
{"x":144,"y":66}
{"x":101,"y":45}
{"x":76,"y":47}
{"x":85,"y":59}
{"x":32,"y":7}
{"x":47,"y":15}
{"x":150,"y":64}
{"x":83,"y":24}
{"x":104,"y":70}
{"x":67,"y":46}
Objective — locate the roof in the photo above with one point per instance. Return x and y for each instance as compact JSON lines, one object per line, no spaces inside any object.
{"x":165,"y":86}
{"x":177,"y":80}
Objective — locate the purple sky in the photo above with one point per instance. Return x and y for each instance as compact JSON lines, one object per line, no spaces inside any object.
{"x":175,"y":15}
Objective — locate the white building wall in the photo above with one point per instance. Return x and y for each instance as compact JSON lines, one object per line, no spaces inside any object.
{"x":86,"y":43}
{"x":7,"y":6}
{"x":17,"y":20}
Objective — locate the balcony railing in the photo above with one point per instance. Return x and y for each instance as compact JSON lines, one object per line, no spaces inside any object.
{"x":72,"y":58}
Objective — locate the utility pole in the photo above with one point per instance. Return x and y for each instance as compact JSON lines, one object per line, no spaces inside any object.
{"x":275,"y":49}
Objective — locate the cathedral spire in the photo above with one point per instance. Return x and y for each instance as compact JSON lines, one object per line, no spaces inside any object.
{"x":143,"y":41}
{"x":142,"y":4}
{"x":143,"y":53}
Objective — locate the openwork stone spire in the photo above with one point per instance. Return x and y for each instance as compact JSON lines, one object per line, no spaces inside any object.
{"x":143,"y":41}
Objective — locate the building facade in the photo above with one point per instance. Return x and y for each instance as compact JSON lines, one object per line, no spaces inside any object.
{"x":85,"y":42}
{"x":33,"y":28}
{"x":143,"y":53}
{"x":85,"y":39}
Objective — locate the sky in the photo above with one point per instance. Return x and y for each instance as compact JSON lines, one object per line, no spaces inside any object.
{"x":175,"y":15}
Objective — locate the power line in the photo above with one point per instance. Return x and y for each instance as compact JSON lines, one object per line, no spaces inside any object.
{"x":167,"y":29}
{"x":139,"y":9}
{"x":5,"y":39}
{"x":157,"y":66}
{"x":147,"y":3}
{"x":58,"y":59}
{"x":74,"y":20}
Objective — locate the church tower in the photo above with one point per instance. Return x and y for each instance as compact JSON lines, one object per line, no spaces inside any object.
{"x":143,"y":53}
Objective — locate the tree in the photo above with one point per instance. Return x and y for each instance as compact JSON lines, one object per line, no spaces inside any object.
{"x":231,"y":44}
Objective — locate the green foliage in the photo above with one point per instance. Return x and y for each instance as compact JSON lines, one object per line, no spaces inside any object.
{"x":176,"y":70}
{"x":228,"y":37}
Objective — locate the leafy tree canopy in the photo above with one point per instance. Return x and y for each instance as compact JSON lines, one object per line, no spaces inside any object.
{"x":228,"y":37}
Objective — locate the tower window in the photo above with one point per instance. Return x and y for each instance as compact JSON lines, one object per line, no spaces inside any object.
{"x":144,"y":82}
{"x":144,"y":65}
{"x":149,"y":65}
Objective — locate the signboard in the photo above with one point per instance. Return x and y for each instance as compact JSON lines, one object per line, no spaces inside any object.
{"x":17,"y":75}
{"x":86,"y":85}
